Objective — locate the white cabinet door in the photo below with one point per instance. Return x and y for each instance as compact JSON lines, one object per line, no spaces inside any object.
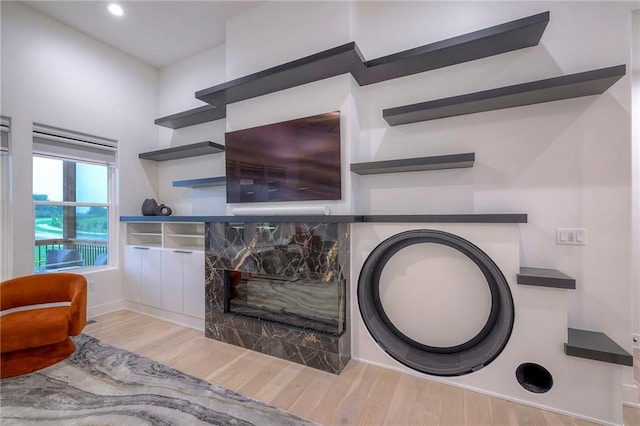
{"x":194,"y":284}
{"x":151,"y":277}
{"x":172,"y":280}
{"x":132,"y":268}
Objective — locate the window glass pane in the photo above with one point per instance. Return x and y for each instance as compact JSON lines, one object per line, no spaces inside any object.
{"x":70,"y":237}
{"x":47,"y":179}
{"x":92,"y":234}
{"x":91,"y":183}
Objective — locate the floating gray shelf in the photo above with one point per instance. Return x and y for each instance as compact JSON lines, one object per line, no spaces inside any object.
{"x":596,"y":346}
{"x":448,"y":218}
{"x":545,"y":278}
{"x":192,"y":117}
{"x":565,"y":87}
{"x":429,"y":218}
{"x":184,"y":151}
{"x":454,"y":161}
{"x":347,"y":58}
{"x":202,"y":182}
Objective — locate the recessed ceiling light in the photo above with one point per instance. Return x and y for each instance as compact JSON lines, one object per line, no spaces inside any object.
{"x":116,"y":9}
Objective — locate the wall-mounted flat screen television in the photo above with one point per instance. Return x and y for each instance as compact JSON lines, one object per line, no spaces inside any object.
{"x":296,"y":160}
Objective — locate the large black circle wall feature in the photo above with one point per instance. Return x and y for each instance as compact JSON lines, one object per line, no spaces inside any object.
{"x":457,"y":360}
{"x":534,"y":377}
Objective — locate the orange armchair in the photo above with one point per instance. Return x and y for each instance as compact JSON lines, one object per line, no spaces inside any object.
{"x":38,"y":336}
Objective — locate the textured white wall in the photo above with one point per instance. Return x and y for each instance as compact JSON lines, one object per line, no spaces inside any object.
{"x":54,"y":75}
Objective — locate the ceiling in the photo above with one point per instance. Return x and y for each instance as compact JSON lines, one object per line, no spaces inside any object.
{"x":158,"y":33}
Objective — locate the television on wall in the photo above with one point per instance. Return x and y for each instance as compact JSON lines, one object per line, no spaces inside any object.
{"x":295,"y":160}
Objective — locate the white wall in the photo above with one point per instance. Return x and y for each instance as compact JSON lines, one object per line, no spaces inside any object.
{"x":178,"y":84}
{"x":565,"y":164}
{"x":57,"y":76}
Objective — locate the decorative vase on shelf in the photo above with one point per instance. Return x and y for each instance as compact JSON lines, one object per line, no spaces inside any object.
{"x":149,"y":206}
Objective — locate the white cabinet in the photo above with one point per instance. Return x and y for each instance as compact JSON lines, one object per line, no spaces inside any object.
{"x":183,"y":282}
{"x":143,"y":275}
{"x":194,"y":284}
{"x":164,"y":266}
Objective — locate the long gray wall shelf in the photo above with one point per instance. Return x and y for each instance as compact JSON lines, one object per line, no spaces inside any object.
{"x":201,"y":183}
{"x":192,"y":117}
{"x":453,"y":161}
{"x":552,"y":89}
{"x":347,"y":58}
{"x":596,"y":346}
{"x":418,"y":218}
{"x":184,"y":151}
{"x":545,"y":278}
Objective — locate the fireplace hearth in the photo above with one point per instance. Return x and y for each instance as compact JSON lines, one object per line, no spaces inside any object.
{"x":280,"y":289}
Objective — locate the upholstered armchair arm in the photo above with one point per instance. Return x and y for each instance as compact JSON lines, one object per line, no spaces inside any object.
{"x":78,"y":307}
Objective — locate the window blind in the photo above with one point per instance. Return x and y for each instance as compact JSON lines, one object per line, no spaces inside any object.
{"x":5,"y":125}
{"x":59,"y":143}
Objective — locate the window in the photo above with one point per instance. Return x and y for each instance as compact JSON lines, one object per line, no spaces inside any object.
{"x":4,"y":178}
{"x":73,"y":177}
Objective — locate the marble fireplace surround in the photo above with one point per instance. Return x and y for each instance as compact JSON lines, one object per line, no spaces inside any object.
{"x":309,"y":251}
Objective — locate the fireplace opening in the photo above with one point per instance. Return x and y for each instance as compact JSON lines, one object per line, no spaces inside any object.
{"x":294,"y":301}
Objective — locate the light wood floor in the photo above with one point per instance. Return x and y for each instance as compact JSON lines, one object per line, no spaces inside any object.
{"x":362,"y":395}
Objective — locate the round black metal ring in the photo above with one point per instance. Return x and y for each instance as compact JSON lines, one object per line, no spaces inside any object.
{"x":457,"y":360}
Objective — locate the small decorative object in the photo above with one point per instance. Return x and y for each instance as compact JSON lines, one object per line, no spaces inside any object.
{"x":162,"y":210}
{"x":149,"y":206}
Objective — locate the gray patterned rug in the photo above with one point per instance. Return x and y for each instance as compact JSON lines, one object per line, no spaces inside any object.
{"x":104,"y":385}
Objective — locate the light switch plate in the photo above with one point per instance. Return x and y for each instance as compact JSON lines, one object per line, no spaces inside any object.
{"x":571,"y":236}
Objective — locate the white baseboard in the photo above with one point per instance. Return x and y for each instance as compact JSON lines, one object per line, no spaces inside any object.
{"x":104,"y":308}
{"x":631,"y":395}
{"x":183,"y":320}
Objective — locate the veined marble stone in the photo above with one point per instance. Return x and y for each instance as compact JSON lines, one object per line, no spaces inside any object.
{"x":313,"y":254}
{"x":103,"y":385}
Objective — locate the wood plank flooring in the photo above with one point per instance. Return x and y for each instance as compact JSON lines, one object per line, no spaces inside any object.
{"x":362,"y":395}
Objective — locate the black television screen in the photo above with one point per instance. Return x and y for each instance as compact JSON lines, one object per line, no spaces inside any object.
{"x":296,"y":160}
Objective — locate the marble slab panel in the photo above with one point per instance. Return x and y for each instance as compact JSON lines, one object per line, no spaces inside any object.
{"x":308,"y":252}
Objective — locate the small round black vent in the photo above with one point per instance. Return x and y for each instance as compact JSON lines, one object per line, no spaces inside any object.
{"x":534,"y":378}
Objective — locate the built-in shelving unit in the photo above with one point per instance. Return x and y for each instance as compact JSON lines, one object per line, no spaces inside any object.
{"x":201,"y":182}
{"x":347,"y":58}
{"x":596,"y":346}
{"x":199,"y":115}
{"x":453,"y":161}
{"x":184,"y":151}
{"x":545,"y":278}
{"x":144,"y":234}
{"x":185,"y":236}
{"x":149,"y":232}
{"x":564,"y":87}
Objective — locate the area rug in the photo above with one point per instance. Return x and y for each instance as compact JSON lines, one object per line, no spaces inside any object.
{"x":104,"y":385}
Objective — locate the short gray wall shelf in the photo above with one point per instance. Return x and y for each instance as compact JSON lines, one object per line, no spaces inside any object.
{"x":596,"y":346}
{"x":192,"y":117}
{"x":418,"y":218}
{"x":453,"y":161}
{"x":184,"y":151}
{"x":564,"y":87}
{"x":347,"y":58}
{"x":201,"y":183}
{"x":545,"y":278}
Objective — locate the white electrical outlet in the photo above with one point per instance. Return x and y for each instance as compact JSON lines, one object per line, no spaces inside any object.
{"x":571,"y":236}
{"x":91,"y":286}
